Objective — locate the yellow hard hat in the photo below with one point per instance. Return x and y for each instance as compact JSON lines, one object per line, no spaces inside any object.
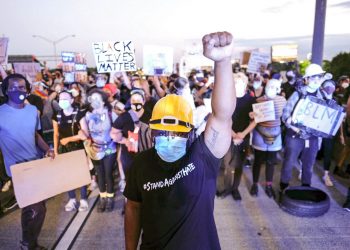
{"x":172,"y":113}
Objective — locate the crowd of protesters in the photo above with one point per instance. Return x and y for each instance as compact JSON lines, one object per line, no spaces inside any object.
{"x":112,"y":111}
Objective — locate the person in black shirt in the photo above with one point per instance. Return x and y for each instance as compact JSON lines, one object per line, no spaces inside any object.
{"x":171,"y":187}
{"x":241,"y":128}
{"x":66,"y":139}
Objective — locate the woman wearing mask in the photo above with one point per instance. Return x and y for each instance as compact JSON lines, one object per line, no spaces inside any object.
{"x":66,"y":139}
{"x":96,"y":126}
{"x":125,"y":124}
{"x":257,"y":89}
{"x":267,"y":139}
{"x":78,"y":94}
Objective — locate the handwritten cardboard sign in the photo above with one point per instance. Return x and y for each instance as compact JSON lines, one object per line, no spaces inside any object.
{"x":28,"y":69}
{"x":38,"y":180}
{"x":158,"y":60}
{"x":264,"y":111}
{"x":317,"y":117}
{"x":114,"y":56}
{"x":258,"y":62}
{"x":3,"y":50}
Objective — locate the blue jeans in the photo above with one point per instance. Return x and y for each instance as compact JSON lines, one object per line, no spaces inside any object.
{"x":83,"y":193}
{"x":294,"y":146}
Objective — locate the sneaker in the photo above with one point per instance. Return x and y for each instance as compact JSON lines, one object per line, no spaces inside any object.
{"x":109,"y":204}
{"x":25,"y":246}
{"x":93,"y":185}
{"x":327,"y":180}
{"x":71,"y":205}
{"x":83,"y":205}
{"x":6,"y":186}
{"x":346,"y":205}
{"x":270,"y":192}
{"x":101,"y":205}
{"x":300,"y":174}
{"x":236,"y":195}
{"x":222,"y":194}
{"x":254,"y":190}
{"x":12,"y":203}
{"x":122,"y":185}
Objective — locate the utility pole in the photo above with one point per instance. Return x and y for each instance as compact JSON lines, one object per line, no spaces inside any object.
{"x":318,"y":37}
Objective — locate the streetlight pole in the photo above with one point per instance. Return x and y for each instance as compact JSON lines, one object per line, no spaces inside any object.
{"x":318,"y":37}
{"x":54,"y":43}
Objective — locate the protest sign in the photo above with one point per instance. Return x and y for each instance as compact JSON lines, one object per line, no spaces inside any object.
{"x":114,"y":56}
{"x":317,"y":117}
{"x":264,"y":111}
{"x":258,"y":62}
{"x":3,"y":50}
{"x":158,"y":60}
{"x":38,"y":180}
{"x":74,"y":67}
{"x":28,"y":69}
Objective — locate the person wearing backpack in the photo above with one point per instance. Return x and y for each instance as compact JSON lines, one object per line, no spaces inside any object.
{"x":66,"y":139}
{"x":96,"y":126}
{"x":298,"y":141}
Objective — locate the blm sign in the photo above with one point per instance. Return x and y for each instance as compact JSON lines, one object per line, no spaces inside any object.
{"x":114,"y":56}
{"x":317,"y":117}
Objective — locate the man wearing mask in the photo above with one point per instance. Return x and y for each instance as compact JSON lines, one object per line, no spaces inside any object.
{"x":342,"y":91}
{"x":19,"y":141}
{"x":299,"y":142}
{"x":171,"y":187}
{"x":240,"y":134}
{"x":101,"y":80}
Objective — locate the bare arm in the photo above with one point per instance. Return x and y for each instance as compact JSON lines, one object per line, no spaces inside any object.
{"x":157,"y":87}
{"x":132,"y":224}
{"x":2,"y":72}
{"x":217,"y":134}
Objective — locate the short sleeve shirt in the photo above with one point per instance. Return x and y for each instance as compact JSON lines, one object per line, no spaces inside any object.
{"x":177,"y":199}
{"x":17,"y":134}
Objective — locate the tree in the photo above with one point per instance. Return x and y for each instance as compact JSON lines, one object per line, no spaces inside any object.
{"x":340,"y":65}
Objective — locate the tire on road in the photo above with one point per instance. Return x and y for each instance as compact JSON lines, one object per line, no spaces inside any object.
{"x":305,"y":201}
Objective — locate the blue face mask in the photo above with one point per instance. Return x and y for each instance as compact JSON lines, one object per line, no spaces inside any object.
{"x":169,"y":148}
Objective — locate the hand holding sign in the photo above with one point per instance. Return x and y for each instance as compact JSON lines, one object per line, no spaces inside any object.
{"x":218,"y":46}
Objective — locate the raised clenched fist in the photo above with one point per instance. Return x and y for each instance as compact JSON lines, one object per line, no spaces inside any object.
{"x":218,"y":46}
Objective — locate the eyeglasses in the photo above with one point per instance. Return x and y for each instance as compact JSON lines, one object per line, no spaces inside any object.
{"x":316,"y":77}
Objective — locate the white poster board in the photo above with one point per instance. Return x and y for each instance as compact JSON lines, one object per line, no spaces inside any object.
{"x":264,"y":111}
{"x":114,"y":56}
{"x":3,"y":50}
{"x":158,"y":60}
{"x":317,"y":117}
{"x":38,"y":180}
{"x":258,"y":62}
{"x":30,"y":69}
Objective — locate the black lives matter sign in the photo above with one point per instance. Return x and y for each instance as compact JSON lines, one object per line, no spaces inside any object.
{"x":114,"y":56}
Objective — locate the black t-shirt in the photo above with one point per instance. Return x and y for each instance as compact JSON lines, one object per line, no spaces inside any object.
{"x":177,"y":199}
{"x":288,"y":89}
{"x":240,"y":118}
{"x":37,"y":102}
{"x":68,"y":125}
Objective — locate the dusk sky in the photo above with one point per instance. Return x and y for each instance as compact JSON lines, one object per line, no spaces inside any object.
{"x":254,"y":24}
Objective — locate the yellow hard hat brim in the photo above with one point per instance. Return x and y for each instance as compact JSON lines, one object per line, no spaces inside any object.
{"x":169,"y":127}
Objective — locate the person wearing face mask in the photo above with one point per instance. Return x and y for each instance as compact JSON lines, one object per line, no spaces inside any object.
{"x":257,"y":88}
{"x":342,"y":90}
{"x":299,"y":142}
{"x":267,"y":139}
{"x":126,"y":123}
{"x":101,"y":80}
{"x":288,"y":87}
{"x":170,"y":188}
{"x":96,"y":126}
{"x":66,"y":139}
{"x":240,"y":135}
{"x":19,"y":143}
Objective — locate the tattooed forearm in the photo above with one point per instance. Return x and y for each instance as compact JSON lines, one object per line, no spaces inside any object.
{"x":213,"y":137}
